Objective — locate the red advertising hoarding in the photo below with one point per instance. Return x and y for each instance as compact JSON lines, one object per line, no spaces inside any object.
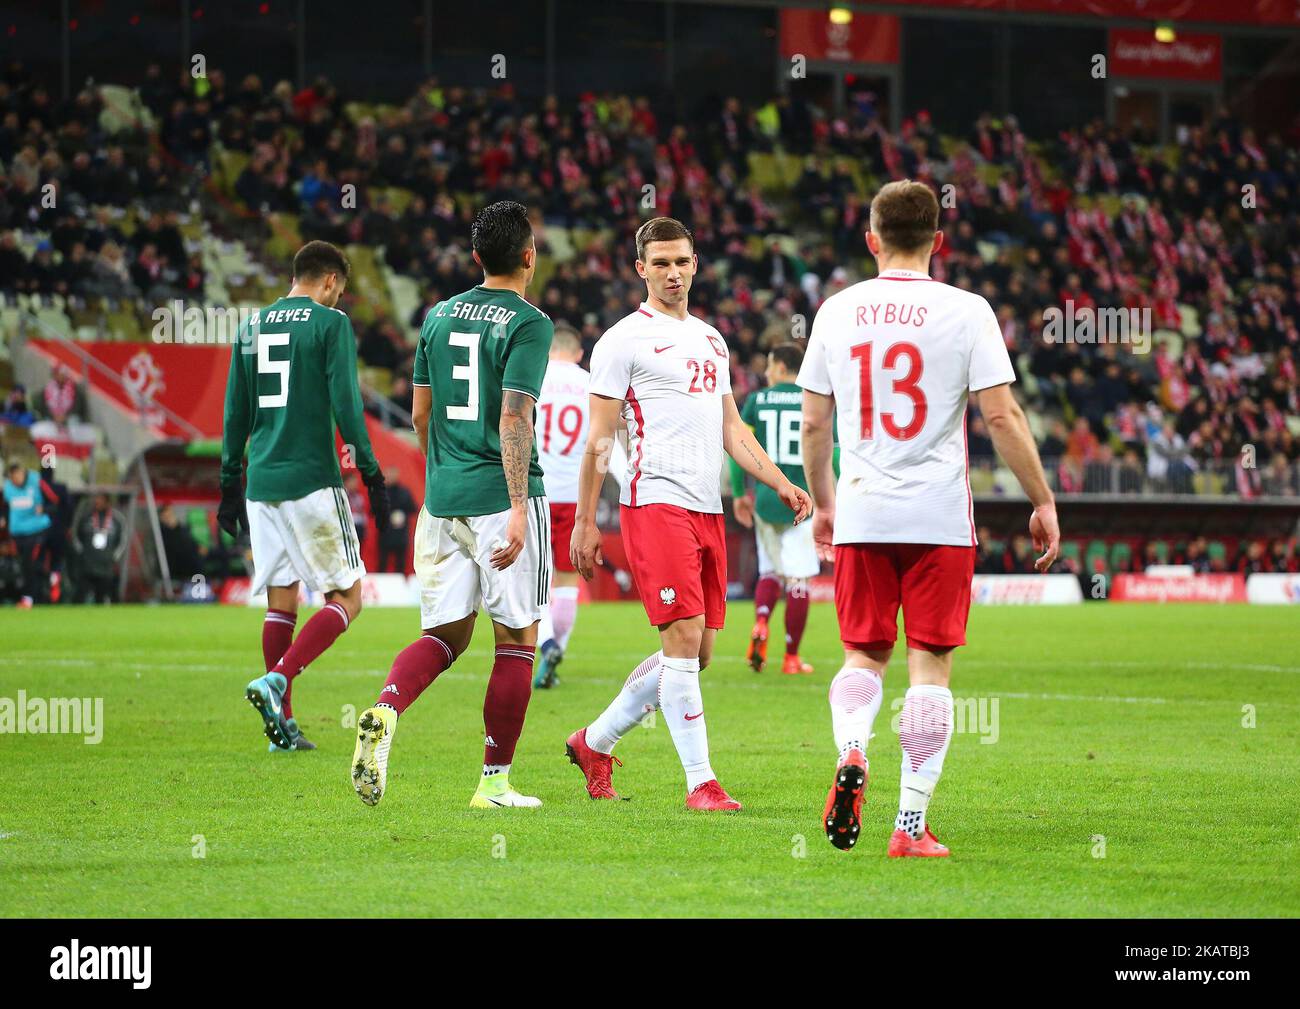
{"x":1136,"y":53}
{"x":1212,"y":588}
{"x":866,"y":38}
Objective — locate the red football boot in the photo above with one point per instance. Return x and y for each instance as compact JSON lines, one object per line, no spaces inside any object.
{"x":901,"y":845}
{"x":843,"y":815}
{"x":793,"y":665}
{"x":757,"y":654}
{"x":710,"y":796}
{"x":595,"y":766}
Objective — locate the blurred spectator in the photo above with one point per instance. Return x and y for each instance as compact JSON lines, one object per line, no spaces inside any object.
{"x":27,"y":496}
{"x":100,"y":542}
{"x":394,"y":541}
{"x":16,"y":411}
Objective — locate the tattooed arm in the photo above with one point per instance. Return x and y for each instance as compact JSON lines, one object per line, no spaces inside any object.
{"x":741,"y":444}
{"x":516,"y":430}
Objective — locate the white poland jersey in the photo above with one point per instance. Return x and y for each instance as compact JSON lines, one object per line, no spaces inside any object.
{"x":563,"y":421}
{"x":900,"y":353}
{"x":671,"y":375}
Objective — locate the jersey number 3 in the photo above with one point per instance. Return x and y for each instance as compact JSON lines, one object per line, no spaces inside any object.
{"x":905,"y":386}
{"x":467,"y":373}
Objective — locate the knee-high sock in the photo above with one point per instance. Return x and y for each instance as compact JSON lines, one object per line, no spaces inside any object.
{"x":317,"y":635}
{"x":277,"y":636}
{"x":924,"y":730}
{"x":796,"y":614}
{"x":506,"y":703}
{"x":766,"y":593}
{"x":855,"y":697}
{"x":640,"y":694}
{"x":683,"y":708}
{"x":545,"y":626}
{"x":416,"y":666}
{"x":564,"y":613}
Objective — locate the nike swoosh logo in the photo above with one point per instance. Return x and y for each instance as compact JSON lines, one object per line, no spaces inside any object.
{"x":660,"y":350}
{"x":691,"y":718}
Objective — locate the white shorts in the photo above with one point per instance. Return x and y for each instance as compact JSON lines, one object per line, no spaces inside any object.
{"x":786,"y":551}
{"x":311,"y":540}
{"x":457,"y":579}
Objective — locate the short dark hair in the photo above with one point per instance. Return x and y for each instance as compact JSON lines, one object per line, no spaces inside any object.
{"x":661,"y":229}
{"x":789,"y":356}
{"x":905,"y":215}
{"x":500,"y":235}
{"x":317,"y":258}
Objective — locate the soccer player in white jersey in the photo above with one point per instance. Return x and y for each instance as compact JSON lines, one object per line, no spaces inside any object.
{"x":661,"y":375}
{"x":562,"y":422}
{"x":894,"y":359}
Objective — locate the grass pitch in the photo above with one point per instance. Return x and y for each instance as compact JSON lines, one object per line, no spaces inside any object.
{"x":1124,"y":779}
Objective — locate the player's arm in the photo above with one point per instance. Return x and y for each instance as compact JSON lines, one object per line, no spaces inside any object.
{"x":350,"y":415}
{"x":584,"y":545}
{"x":521,"y":385}
{"x":516,"y":429}
{"x":422,"y":384}
{"x":421,"y":411}
{"x":742,"y":505}
{"x":820,"y":465}
{"x":235,"y":427}
{"x":1015,"y":444}
{"x":742,"y":445}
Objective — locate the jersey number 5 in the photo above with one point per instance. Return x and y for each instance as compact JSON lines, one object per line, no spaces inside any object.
{"x":465,"y":373}
{"x":265,"y":366}
{"x":905,"y":386}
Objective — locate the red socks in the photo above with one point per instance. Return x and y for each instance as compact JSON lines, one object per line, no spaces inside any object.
{"x":277,"y":636}
{"x":796,"y":617}
{"x":317,"y":634}
{"x":506,"y":703}
{"x":416,"y":666}
{"x":766,"y":593}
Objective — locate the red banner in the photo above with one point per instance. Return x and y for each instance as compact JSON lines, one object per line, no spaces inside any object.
{"x":1241,"y":12}
{"x":1213,"y":588}
{"x":866,"y":38}
{"x":1136,"y":53}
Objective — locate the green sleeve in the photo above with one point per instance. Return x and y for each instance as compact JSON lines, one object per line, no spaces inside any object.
{"x":345,"y":393}
{"x":237,"y":422}
{"x":420,"y":374}
{"x":835,"y":461}
{"x":526,"y":357}
{"x":749,"y":408}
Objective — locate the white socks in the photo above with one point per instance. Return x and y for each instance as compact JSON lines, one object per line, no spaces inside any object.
{"x":640,"y":694}
{"x":562,"y":613}
{"x":683,"y":708}
{"x":855,"y":697}
{"x":924,"y":730}
{"x":673,"y":685}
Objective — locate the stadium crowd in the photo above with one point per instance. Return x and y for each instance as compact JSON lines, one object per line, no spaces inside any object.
{"x":1204,"y":233}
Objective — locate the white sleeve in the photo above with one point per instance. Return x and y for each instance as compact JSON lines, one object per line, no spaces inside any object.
{"x":813,"y":375}
{"x":611,"y":367}
{"x":990,"y":364}
{"x":724,"y":373}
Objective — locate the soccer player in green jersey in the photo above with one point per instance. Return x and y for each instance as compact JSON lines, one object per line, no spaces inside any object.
{"x":293,"y":376}
{"x":483,"y":538}
{"x":787,"y":557}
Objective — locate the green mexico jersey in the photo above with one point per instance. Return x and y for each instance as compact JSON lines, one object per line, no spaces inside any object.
{"x":472,"y":347}
{"x":292,"y":377}
{"x":776,"y":415}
